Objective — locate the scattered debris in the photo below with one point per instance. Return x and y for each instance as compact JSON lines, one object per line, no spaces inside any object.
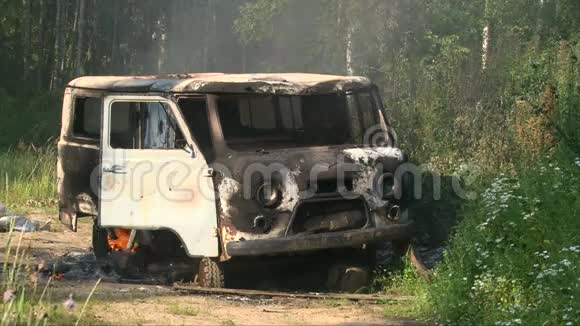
{"x":430,"y":256}
{"x":191,"y":289}
{"x":20,"y":224}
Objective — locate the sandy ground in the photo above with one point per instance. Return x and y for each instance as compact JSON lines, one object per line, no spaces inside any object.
{"x":137,"y":304}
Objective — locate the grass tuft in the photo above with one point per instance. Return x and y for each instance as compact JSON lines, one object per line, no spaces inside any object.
{"x":28,"y":177}
{"x":183,"y":310}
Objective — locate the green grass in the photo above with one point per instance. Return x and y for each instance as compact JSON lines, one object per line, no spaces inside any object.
{"x":28,"y":177}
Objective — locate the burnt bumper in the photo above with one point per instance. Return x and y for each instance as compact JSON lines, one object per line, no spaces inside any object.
{"x":314,"y":242}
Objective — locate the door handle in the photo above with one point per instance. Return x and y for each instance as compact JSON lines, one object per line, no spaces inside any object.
{"x":117,"y":169}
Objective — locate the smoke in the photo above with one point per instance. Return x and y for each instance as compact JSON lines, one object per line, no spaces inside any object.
{"x":156,"y":36}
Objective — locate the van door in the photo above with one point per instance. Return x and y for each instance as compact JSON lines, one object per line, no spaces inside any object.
{"x":153,"y":176}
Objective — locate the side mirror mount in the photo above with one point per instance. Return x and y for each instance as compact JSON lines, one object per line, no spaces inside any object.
{"x":190,"y":150}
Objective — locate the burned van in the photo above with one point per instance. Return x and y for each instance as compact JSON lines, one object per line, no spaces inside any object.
{"x":214,"y":167}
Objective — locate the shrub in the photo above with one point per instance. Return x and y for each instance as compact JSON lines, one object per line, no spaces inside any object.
{"x":515,"y":257}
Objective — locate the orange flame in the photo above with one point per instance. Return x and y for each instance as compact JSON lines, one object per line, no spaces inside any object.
{"x":121,"y":241}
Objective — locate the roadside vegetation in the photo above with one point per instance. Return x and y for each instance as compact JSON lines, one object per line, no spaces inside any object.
{"x":514,"y":256}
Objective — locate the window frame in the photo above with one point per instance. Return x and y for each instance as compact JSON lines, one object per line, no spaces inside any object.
{"x":173,"y":111}
{"x":73,"y":116}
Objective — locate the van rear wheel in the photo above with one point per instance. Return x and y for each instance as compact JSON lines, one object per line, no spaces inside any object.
{"x":210,"y":273}
{"x":100,"y":243}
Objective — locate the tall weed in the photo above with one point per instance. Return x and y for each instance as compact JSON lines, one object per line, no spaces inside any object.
{"x":26,"y":292}
{"x":28,"y":176}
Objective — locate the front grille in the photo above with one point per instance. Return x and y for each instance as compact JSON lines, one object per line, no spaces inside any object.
{"x":327,"y":186}
{"x":329,"y":216}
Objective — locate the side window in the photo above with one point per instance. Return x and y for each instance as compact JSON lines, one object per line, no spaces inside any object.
{"x":87,"y":117}
{"x":263,"y":114}
{"x":144,"y":125}
{"x":290,"y":112}
{"x":286,"y":114}
{"x":194,"y":111}
{"x":368,"y":110}
{"x":355,"y":119}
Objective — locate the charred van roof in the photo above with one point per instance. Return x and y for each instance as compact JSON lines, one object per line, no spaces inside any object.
{"x":282,"y":83}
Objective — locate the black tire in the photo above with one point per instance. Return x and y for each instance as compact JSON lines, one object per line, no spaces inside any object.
{"x":100,"y":242}
{"x":351,"y":270}
{"x":210,"y":274}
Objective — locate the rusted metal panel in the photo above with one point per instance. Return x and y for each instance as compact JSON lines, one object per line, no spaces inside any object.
{"x":294,"y":83}
{"x":77,"y":159}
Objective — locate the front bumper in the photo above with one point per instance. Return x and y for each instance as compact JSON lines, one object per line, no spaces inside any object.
{"x":314,"y":242}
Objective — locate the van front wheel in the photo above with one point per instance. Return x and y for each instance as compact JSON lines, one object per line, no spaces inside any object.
{"x":210,"y":273}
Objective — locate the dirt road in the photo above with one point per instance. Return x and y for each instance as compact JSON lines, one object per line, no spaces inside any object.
{"x":139,"y":304}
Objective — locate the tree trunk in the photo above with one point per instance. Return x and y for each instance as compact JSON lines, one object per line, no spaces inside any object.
{"x":41,"y":46}
{"x":412,"y":25}
{"x":485,"y":40}
{"x":206,"y":40}
{"x":57,"y":47}
{"x":80,"y":38}
{"x":162,"y":39}
{"x":26,"y":37}
{"x":485,"y":47}
{"x":115,"y":39}
{"x":349,"y":63}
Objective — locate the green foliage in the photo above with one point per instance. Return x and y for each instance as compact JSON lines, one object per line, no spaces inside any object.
{"x":28,"y":177}
{"x":256,"y":19}
{"x":515,"y":255}
{"x":400,"y":280}
{"x":29,"y":119}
